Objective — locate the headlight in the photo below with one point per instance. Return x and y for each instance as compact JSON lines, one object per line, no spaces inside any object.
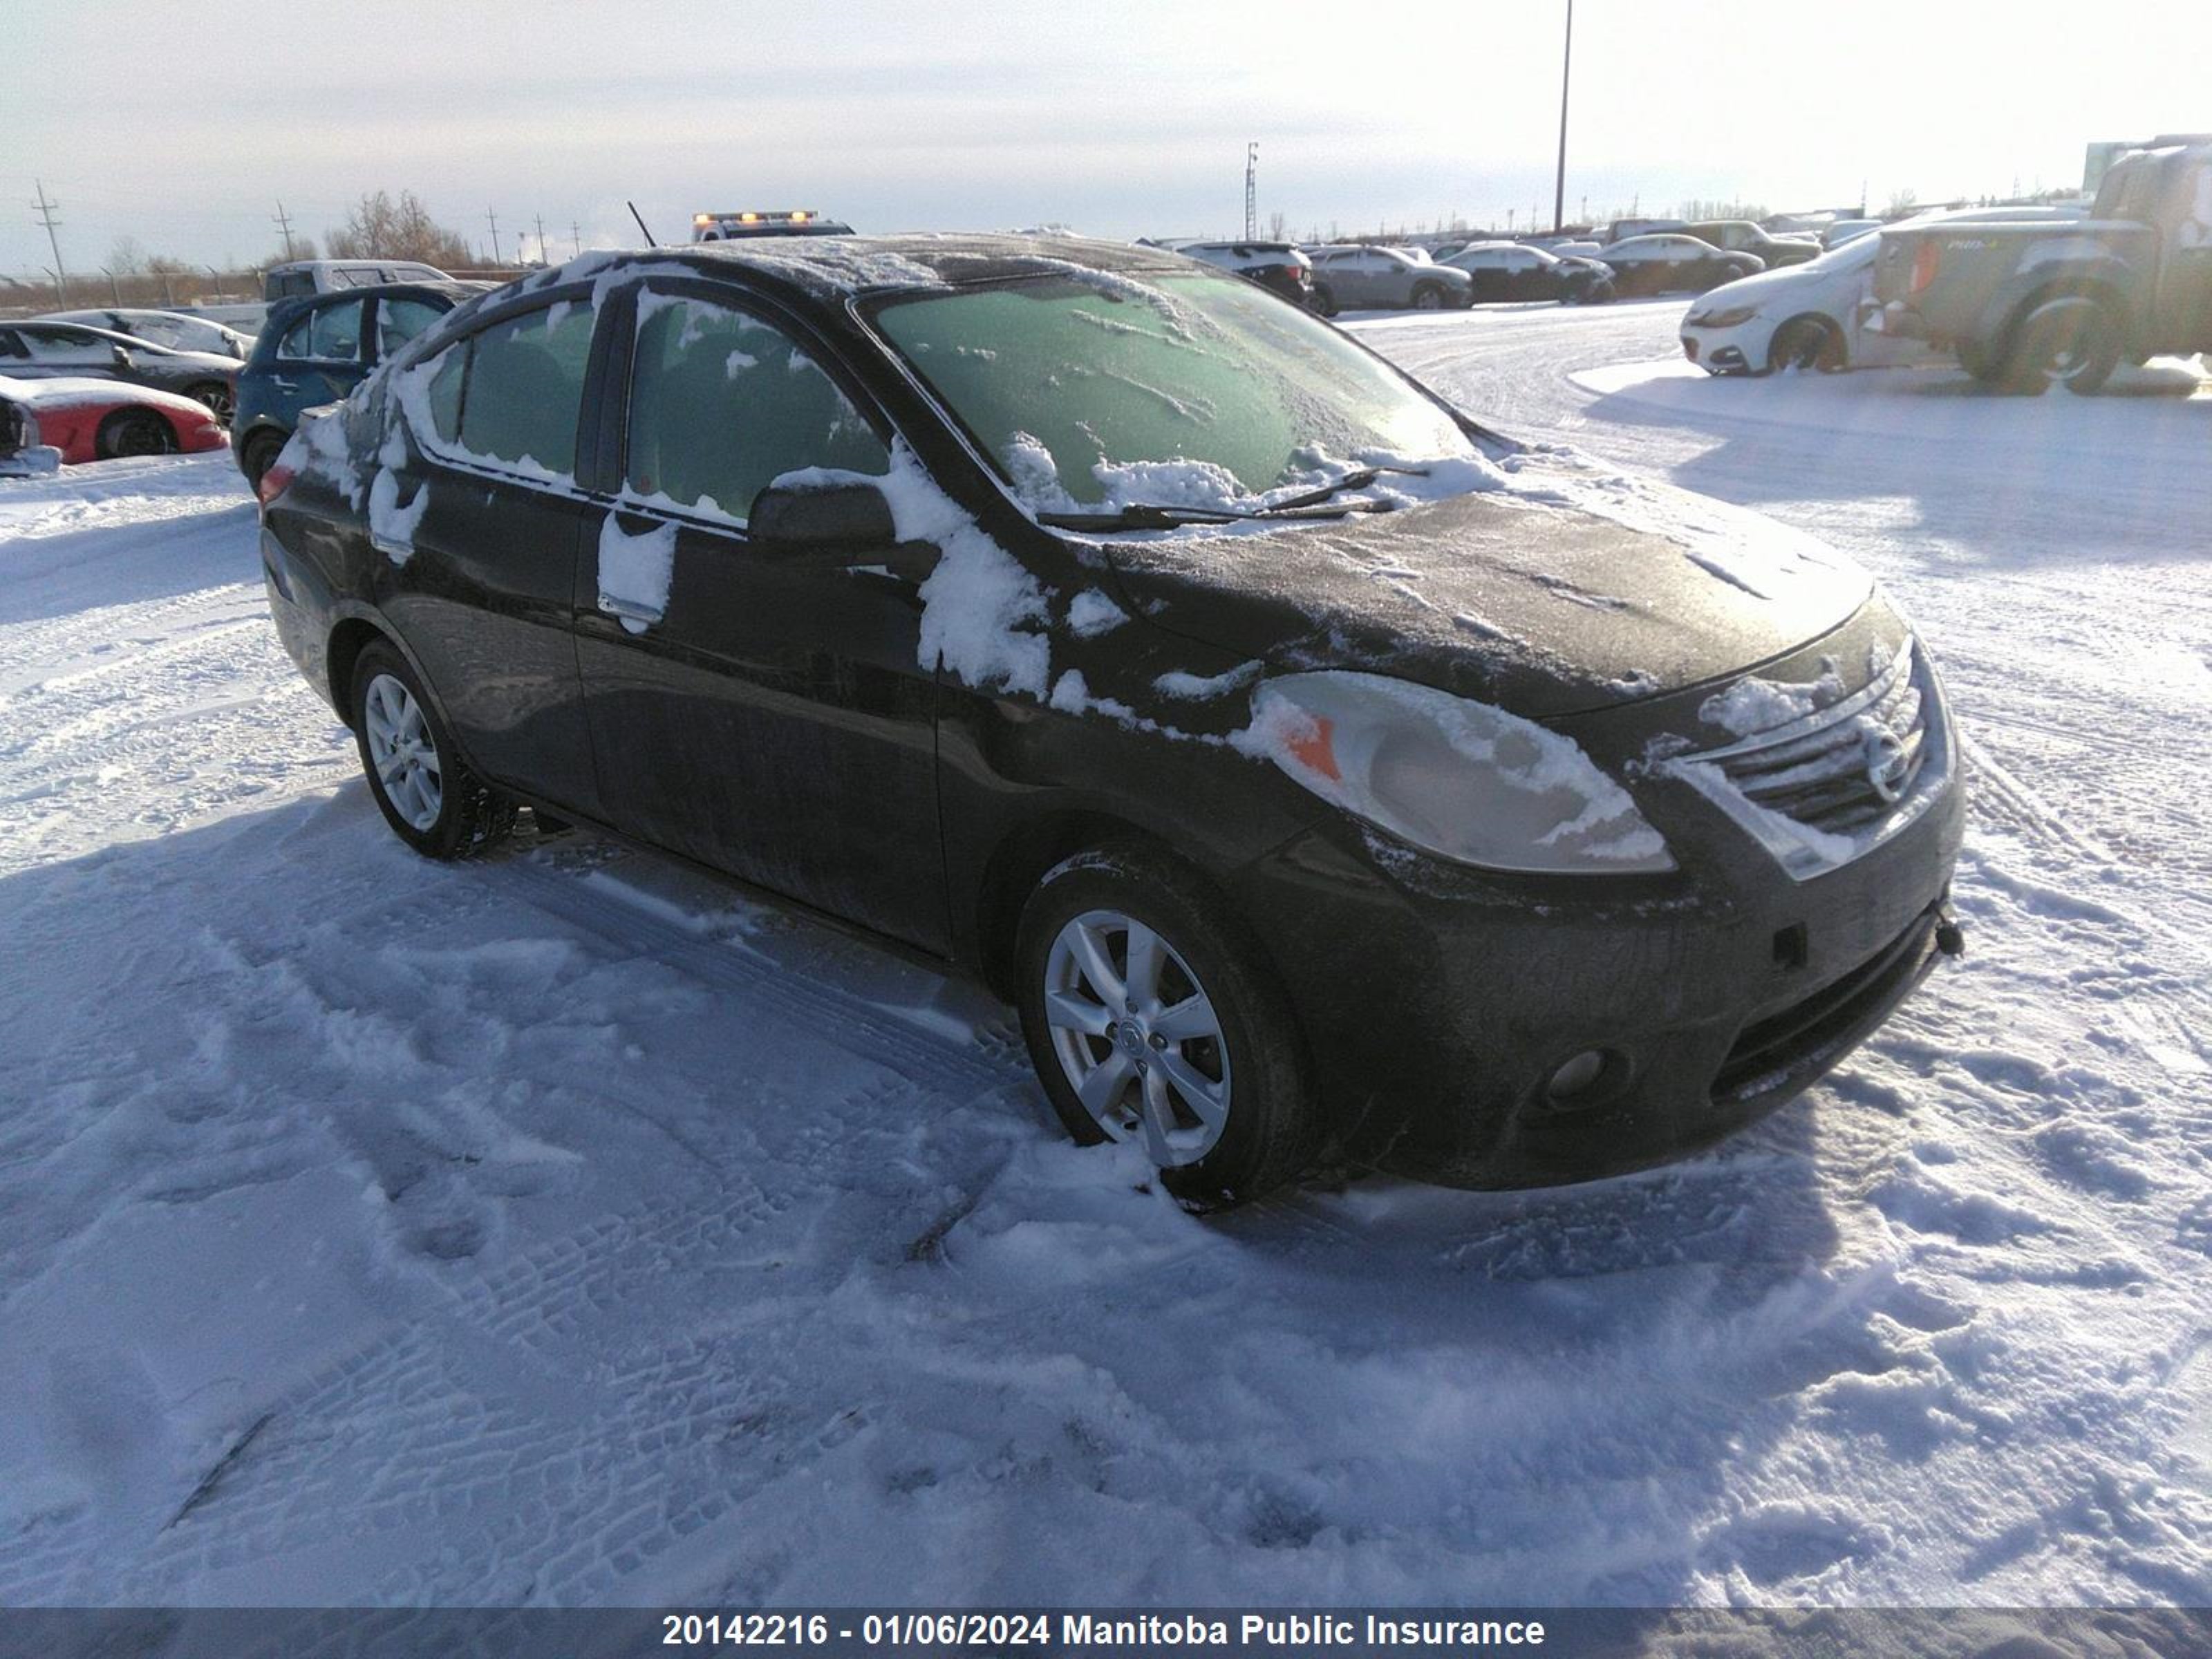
{"x":1458,"y":779}
{"x":1730,"y":318}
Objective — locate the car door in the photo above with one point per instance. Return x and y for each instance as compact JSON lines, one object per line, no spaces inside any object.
{"x":764,"y":710}
{"x":1524,"y":274}
{"x":319,"y":360}
{"x":476,"y":524}
{"x":2184,"y":305}
{"x":1485,"y":271}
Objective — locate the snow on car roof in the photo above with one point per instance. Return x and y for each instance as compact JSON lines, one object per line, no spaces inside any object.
{"x":71,"y":391}
{"x":836,"y":267}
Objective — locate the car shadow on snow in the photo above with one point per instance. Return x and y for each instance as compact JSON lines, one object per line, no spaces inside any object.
{"x":1954,"y":463}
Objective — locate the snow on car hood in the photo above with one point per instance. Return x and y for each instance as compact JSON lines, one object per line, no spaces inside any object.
{"x":69,"y":391}
{"x":1565,"y":590}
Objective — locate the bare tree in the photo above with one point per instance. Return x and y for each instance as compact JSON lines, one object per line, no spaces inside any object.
{"x":1902,"y":201}
{"x":1274,"y":227}
{"x":127,"y":257}
{"x":378,"y":228}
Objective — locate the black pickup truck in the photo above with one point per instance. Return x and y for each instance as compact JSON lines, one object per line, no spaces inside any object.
{"x":2025,"y":304}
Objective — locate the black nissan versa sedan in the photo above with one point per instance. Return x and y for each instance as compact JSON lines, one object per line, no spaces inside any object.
{"x":1321,"y":775}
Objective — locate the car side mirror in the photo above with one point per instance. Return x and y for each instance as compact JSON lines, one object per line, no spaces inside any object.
{"x":120,"y":356}
{"x":840,"y":513}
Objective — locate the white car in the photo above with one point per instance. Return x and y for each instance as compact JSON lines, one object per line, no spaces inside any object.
{"x":173,"y":329}
{"x":1808,"y":316}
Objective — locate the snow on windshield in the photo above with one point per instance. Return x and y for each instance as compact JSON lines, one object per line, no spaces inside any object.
{"x":1097,"y":392}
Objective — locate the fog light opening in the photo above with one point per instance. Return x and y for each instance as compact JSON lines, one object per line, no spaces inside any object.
{"x":1577,"y":1080}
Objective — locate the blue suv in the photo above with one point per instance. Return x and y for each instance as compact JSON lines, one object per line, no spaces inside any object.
{"x":316,"y":350}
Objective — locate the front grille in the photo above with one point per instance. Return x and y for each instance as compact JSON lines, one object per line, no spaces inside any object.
{"x":1839,"y":767}
{"x":1831,"y":784}
{"x":1785,"y":1049}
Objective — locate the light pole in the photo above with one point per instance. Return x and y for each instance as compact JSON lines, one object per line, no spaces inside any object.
{"x":1566,"y":67}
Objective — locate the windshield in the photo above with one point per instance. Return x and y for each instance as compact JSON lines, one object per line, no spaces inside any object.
{"x":1098,"y":390}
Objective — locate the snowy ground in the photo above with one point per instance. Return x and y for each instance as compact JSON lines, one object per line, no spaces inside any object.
{"x":563,"y":1229}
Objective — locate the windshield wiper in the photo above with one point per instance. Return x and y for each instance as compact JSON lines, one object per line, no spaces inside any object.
{"x":1313,"y":504}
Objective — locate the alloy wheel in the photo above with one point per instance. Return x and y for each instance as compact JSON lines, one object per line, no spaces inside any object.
{"x":1137,"y":1036}
{"x":401,"y":748}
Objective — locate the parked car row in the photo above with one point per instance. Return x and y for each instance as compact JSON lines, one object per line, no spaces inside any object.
{"x":42,"y":350}
{"x":1823,"y":314}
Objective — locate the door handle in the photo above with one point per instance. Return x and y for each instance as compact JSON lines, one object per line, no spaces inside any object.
{"x":634,"y":617}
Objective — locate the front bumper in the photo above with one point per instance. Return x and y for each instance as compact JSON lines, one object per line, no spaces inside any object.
{"x":1442,"y":1003}
{"x":1722,"y":351}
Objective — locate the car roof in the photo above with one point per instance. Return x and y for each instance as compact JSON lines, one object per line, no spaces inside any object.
{"x":453,"y":289}
{"x":831,"y":268}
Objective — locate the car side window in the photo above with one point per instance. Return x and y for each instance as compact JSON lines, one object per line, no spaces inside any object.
{"x":66,"y":346}
{"x":722,"y":404}
{"x":328,"y":334}
{"x":526,"y":382}
{"x":398,"y":321}
{"x":430,"y":393}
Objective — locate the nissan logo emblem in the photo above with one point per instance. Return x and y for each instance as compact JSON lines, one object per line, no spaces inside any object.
{"x":1887,"y":765}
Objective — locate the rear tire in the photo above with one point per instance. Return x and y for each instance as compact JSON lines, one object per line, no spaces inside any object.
{"x":1323,"y":302}
{"x":134,"y":432}
{"x":425,"y":790}
{"x":259,"y":455}
{"x":2073,"y":343}
{"x":1151,"y":1016}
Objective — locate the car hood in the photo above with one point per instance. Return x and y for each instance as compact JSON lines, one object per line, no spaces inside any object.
{"x":1760,"y":287}
{"x":1561,"y":591}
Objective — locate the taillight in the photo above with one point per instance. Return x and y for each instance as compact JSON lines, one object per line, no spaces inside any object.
{"x":1926,"y":258}
{"x":275,"y":482}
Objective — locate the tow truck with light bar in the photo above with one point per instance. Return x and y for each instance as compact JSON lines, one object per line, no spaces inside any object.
{"x":781,"y":222}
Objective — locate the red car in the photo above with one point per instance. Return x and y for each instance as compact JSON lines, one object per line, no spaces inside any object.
{"x":90,"y":420}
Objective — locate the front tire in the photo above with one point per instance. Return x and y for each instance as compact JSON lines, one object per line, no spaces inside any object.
{"x":425,"y":790}
{"x":1151,"y":1016}
{"x":1805,"y":342}
{"x":1427,"y":296}
{"x":133,"y":432}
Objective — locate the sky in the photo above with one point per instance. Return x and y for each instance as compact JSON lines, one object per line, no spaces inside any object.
{"x":1123,"y":118}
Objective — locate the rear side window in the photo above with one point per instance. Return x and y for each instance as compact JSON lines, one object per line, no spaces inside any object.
{"x":398,"y":321}
{"x":526,"y":381}
{"x":328,"y":334}
{"x":722,"y":404}
{"x":431,"y":392}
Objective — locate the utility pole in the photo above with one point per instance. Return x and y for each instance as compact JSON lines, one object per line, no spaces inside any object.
{"x":46,"y":211}
{"x":576,"y":237}
{"x":493,"y":219}
{"x":114,"y":288}
{"x":1251,"y":190}
{"x":543,"y":258}
{"x":284,"y":225}
{"x":1566,"y":67}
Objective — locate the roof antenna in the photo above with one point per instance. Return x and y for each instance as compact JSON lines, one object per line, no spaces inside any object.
{"x":639,"y":217}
